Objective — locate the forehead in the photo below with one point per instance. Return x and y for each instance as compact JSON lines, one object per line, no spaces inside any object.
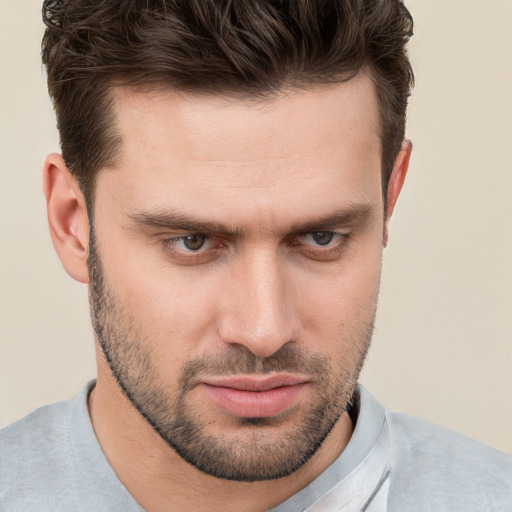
{"x":199,"y":123}
{"x":224,"y":155}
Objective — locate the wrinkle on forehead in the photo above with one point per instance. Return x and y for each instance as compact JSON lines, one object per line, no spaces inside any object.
{"x":291,"y":158}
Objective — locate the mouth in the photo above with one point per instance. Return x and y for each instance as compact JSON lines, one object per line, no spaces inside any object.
{"x":256,"y":396}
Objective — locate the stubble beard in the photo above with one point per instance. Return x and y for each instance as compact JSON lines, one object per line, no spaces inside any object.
{"x":254,"y":452}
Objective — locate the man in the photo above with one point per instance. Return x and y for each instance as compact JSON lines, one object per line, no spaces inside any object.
{"x":227,"y":177}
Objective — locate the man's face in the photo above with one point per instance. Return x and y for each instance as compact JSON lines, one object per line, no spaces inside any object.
{"x":235,"y":269}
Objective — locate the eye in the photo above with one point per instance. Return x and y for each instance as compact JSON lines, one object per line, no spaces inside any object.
{"x":322,"y":245}
{"x":320,"y":238}
{"x":191,"y":242}
{"x":192,"y":248}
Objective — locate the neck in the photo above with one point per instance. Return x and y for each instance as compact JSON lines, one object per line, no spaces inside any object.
{"x":160,"y":480}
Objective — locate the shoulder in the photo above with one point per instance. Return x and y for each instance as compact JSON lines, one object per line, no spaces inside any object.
{"x":51,"y":461}
{"x":435,"y":467}
{"x":39,"y":435}
{"x":35,"y":453}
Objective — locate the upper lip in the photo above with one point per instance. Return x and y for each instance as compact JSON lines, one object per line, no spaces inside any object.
{"x":256,"y":382}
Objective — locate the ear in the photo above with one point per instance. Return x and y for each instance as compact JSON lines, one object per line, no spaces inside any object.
{"x":395,"y":183}
{"x":67,"y":217}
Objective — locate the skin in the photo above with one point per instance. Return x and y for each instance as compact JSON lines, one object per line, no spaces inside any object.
{"x":265,"y":174}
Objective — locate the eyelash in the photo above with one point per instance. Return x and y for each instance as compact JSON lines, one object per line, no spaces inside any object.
{"x":338,"y":245}
{"x":327,"y":252}
{"x":169,"y":245}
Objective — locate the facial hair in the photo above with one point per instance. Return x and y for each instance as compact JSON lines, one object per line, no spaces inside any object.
{"x":252,"y":450}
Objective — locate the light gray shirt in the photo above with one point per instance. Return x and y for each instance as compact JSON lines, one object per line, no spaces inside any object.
{"x":51,"y":461}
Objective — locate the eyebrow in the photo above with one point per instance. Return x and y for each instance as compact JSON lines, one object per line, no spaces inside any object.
{"x":174,"y":220}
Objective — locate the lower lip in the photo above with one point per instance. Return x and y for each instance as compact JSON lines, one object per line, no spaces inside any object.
{"x":256,"y":404}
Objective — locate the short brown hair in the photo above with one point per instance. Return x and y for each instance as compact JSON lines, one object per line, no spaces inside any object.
{"x":234,"y":47}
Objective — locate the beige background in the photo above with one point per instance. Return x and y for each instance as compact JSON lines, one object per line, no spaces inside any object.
{"x":442,"y":349}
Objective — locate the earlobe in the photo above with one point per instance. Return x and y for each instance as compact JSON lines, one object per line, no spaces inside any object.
{"x":395,"y":183}
{"x":67,"y":217}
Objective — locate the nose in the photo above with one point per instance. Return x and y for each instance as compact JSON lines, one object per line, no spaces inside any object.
{"x":257,"y":310}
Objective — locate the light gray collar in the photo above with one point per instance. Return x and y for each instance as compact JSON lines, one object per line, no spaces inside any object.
{"x":357,"y":480}
{"x":363,"y":490}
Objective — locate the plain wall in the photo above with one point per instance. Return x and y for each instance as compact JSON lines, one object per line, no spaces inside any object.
{"x":442,"y":348}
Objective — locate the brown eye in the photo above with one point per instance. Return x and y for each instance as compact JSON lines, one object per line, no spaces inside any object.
{"x":193,"y":242}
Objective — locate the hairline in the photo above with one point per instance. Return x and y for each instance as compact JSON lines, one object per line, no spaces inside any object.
{"x":253,"y":97}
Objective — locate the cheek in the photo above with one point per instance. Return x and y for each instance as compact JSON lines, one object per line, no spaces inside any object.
{"x":176,"y":310}
{"x":338,"y":308}
{"x":170,"y":309}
